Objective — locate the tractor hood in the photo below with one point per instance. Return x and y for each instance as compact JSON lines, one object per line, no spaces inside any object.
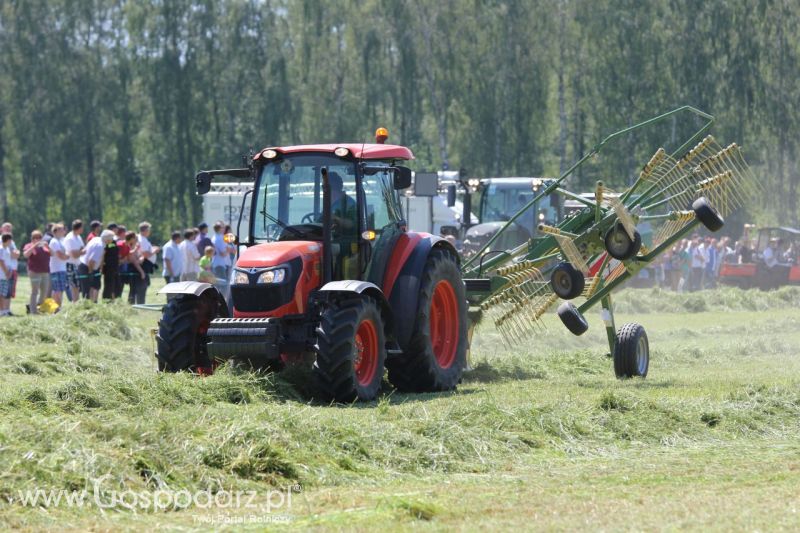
{"x":276,"y":253}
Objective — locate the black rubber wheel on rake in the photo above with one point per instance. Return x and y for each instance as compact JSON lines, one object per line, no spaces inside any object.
{"x":181,"y":338}
{"x":619,"y":244}
{"x":572,"y":318}
{"x":567,"y":281}
{"x":351,"y":351}
{"x":631,"y":352}
{"x":707,"y":215}
{"x":437,"y":352}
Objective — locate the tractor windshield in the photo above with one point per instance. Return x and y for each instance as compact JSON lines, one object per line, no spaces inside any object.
{"x":288,"y":203}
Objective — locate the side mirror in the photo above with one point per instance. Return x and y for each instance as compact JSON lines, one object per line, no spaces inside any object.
{"x":203,"y":182}
{"x":451,"y":195}
{"x":402,"y":178}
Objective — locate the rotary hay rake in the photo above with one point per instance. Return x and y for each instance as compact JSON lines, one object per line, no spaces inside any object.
{"x":593,"y":252}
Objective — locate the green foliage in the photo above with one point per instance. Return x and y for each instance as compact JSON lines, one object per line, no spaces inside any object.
{"x":107,"y":110}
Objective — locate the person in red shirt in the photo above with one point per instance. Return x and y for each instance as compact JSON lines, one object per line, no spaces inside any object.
{"x":96,"y":227}
{"x":124,"y":251}
{"x":38,"y":255}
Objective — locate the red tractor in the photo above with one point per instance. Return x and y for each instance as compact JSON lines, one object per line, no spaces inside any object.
{"x":330,"y":274}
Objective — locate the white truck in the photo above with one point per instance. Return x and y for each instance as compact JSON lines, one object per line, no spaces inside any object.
{"x":224,"y":202}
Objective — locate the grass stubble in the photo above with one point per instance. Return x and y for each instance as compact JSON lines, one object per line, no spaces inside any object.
{"x":540,"y":437}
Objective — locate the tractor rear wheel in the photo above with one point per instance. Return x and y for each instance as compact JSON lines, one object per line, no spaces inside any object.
{"x":437,"y":352}
{"x":181,"y":339}
{"x":631,"y":352}
{"x":567,"y":281}
{"x":351,"y":350}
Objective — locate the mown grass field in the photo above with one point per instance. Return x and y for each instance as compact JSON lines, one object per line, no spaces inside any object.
{"x":540,"y":437}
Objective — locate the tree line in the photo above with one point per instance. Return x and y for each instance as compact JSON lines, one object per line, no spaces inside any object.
{"x":109,"y":107}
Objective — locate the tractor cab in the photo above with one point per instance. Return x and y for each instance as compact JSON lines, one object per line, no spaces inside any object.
{"x":364,"y":203}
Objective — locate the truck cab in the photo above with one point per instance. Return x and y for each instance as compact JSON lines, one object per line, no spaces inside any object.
{"x":498,"y":199}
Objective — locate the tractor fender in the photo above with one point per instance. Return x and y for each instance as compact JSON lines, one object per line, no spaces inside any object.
{"x":404,"y":275}
{"x":366,"y":288}
{"x":194,"y":288}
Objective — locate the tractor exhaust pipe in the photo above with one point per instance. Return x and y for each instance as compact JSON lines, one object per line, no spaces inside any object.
{"x":327,"y":261}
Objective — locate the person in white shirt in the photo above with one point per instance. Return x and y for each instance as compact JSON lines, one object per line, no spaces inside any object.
{"x":91,"y":262}
{"x":191,"y":256}
{"x":173,"y":258}
{"x":698,"y":259}
{"x":221,"y":263}
{"x":147,"y":254}
{"x":770,"y":254}
{"x":58,"y":264}
{"x":73,"y":246}
{"x":13,"y":261}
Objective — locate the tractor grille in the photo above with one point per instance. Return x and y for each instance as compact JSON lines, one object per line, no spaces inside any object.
{"x":255,"y":298}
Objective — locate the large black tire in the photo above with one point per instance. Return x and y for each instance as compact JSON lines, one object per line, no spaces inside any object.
{"x":437,"y":352}
{"x":567,"y":281}
{"x":631,"y":352}
{"x":619,"y":244}
{"x":351,"y":351}
{"x":707,"y":215}
{"x":181,"y":339}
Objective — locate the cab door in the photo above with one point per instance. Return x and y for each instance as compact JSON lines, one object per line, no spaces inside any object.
{"x":381,"y":217}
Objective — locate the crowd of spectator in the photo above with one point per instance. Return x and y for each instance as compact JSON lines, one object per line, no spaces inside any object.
{"x":62,"y":264}
{"x":694,"y":264}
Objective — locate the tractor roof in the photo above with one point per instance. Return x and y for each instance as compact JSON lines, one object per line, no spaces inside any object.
{"x":359,"y":150}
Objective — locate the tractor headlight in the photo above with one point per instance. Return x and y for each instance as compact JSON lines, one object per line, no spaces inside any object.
{"x":240,"y":278}
{"x":272,"y":276}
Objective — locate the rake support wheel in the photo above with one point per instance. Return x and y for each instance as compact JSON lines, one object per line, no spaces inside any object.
{"x":707,"y":215}
{"x":572,"y":318}
{"x":437,"y":352}
{"x":567,"y":281}
{"x":631,"y":352}
{"x":619,"y":244}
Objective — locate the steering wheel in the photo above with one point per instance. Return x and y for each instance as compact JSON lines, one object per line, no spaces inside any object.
{"x":310,"y":218}
{"x":273,"y":231}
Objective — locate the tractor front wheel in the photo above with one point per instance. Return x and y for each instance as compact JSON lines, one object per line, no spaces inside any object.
{"x":631,"y":352}
{"x":437,"y":352}
{"x":181,"y":339}
{"x":351,"y":350}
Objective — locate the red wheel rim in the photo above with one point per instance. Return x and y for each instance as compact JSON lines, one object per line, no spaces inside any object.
{"x":366,"y":357}
{"x":444,"y":323}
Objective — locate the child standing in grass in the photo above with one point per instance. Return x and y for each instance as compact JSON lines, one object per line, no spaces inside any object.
{"x":5,"y":275}
{"x":206,"y":275}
